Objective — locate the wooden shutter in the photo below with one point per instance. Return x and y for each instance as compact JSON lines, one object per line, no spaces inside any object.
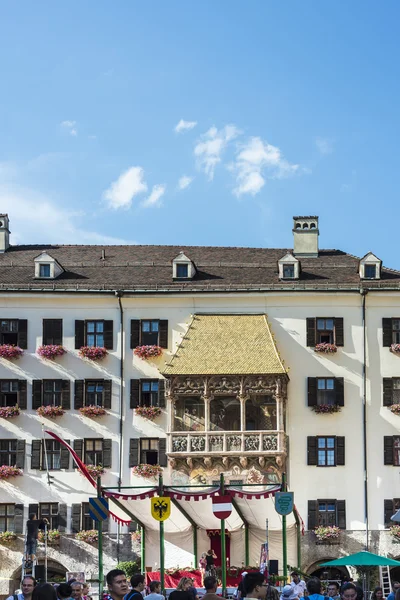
{"x":22,"y":394}
{"x":312,"y":391}
{"x":75,"y":518}
{"x":387,"y":391}
{"x":134,"y":393}
{"x":133,"y":452}
{"x":64,"y":456}
{"x":18,"y":518}
{"x":161,"y":393}
{"x":341,"y":514}
{"x":163,"y":333}
{"x":387,"y":332}
{"x":66,"y":394}
{"x":339,"y":331}
{"x":312,"y":514}
{"x":339,"y":390}
{"x":36,"y":393}
{"x":36,"y":451}
{"x":33,"y":508}
{"x":162,"y":452}
{"x":340,"y":452}
{"x":78,"y":393}
{"x":388,"y":450}
{"x":79,"y":334}
{"x":52,"y":332}
{"x":388,"y":511}
{"x":62,"y":517}
{"x":311,"y":333}
{"x":108,"y":334}
{"x":312,"y":452}
{"x":107,"y":393}
{"x":135,"y":333}
{"x":20,"y":464}
{"x":107,"y":454}
{"x":78,"y":447}
{"x":23,"y":333}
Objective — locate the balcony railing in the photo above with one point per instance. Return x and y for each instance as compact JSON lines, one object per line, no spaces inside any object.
{"x":232,"y":442}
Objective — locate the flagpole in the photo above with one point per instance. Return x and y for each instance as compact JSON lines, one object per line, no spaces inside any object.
{"x":162,"y":549}
{"x":284,"y":538}
{"x":223,"y":541}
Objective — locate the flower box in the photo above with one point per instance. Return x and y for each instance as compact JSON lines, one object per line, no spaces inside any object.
{"x":147,"y":471}
{"x":7,"y":537}
{"x":94,"y":470}
{"x":92,"y":411}
{"x":326,"y":348}
{"x":93,"y":353}
{"x":326,"y":409}
{"x":90,"y":537}
{"x":327,"y":534}
{"x":8,"y":412}
{"x":395,"y":348}
{"x":51,"y":412}
{"x":136,"y":536}
{"x":51,"y":351}
{"x":148,"y":412}
{"x":395,"y":408}
{"x":53,"y":536}
{"x":10,"y":352}
{"x":7,"y":472}
{"x":147,"y":352}
{"x":395,"y":532}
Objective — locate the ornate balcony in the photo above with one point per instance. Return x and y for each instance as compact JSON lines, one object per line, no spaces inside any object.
{"x":231,"y":443}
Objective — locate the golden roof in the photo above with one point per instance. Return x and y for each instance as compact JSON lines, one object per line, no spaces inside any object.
{"x":226,"y":345}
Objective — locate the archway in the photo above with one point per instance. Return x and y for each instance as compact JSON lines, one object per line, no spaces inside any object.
{"x":327,"y":573}
{"x":55,"y":574}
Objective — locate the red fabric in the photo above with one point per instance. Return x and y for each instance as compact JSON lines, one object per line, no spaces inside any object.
{"x":215,"y":542}
{"x":171,"y":581}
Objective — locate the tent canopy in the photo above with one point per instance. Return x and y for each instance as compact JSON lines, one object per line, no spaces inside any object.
{"x":362,"y":559}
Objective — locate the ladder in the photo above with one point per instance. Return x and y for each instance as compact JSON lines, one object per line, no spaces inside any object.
{"x":384,"y":579}
{"x":28,"y":570}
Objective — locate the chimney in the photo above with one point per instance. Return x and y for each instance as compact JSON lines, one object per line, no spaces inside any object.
{"x":305,"y":234}
{"x":4,"y":233}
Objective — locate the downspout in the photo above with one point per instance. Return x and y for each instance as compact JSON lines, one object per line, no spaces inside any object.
{"x":121,"y":406}
{"x":364,"y":293}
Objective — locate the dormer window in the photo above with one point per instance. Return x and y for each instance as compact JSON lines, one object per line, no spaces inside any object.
{"x":46,"y":267}
{"x":370,"y":267}
{"x":44,"y":270}
{"x":370,"y":272}
{"x":183,"y":267}
{"x":288,"y":271}
{"x":182,"y":270}
{"x":289,"y":267}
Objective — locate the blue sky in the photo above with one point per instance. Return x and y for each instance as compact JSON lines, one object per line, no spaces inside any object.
{"x":285,"y":108}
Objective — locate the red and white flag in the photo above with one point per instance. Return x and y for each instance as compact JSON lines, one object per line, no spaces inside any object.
{"x":222,"y":506}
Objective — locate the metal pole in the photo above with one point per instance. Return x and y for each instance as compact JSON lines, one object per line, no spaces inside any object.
{"x":100,"y":543}
{"x":298,"y":537}
{"x":162,"y":548}
{"x":284,"y":540}
{"x":246,"y":545}
{"x":143,"y":550}
{"x":194,"y":527}
{"x":267,"y":541}
{"x":223,"y":542}
{"x":45,"y":552}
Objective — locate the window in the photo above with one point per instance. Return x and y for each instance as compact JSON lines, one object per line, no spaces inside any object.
{"x":396,"y":450}
{"x":52,"y":332}
{"x":93,"y":452}
{"x":94,"y":393}
{"x":7,"y":513}
{"x":9,"y":331}
{"x":261,"y":413}
{"x":325,"y":331}
{"x":149,"y":392}
{"x":149,"y":451}
{"x":8,"y":453}
{"x":391,"y":506}
{"x":189,"y":414}
{"x":326,"y":391}
{"x":182,"y":270}
{"x":87,"y":521}
{"x":391,"y":391}
{"x":44,"y":270}
{"x":95,"y":334}
{"x":51,"y":455}
{"x":52,"y":390}
{"x":225,"y":414}
{"x":396,"y":331}
{"x":326,"y":512}
{"x":370,"y":271}
{"x":49,"y":512}
{"x":149,"y":333}
{"x":326,"y":452}
{"x":288,"y":271}
{"x":8,"y":392}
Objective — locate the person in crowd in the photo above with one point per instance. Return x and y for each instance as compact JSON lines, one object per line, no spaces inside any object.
{"x":210,"y":566}
{"x":137,"y":585}
{"x":377,"y":594}
{"x":44,"y":592}
{"x":33,"y":525}
{"x":117,"y":585}
{"x":85,"y":592}
{"x":397,"y":596}
{"x":349,"y":591}
{"x":240,"y":593}
{"x":255,"y":585}
{"x":395,"y":587}
{"x":210,"y":585}
{"x":27,"y":586}
{"x":297,"y":584}
{"x":360,"y":593}
{"x":333,"y":590}
{"x":314,"y":589}
{"x":193,"y":590}
{"x":288,"y":593}
{"x":182,"y":590}
{"x":77,"y":590}
{"x":272,"y":593}
{"x":203,"y":565}
{"x":155,"y":591}
{"x":64,"y":591}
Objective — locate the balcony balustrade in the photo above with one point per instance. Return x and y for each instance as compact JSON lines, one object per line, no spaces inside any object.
{"x":227,"y":442}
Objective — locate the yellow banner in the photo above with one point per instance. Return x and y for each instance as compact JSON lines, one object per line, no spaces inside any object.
{"x":160,"y":508}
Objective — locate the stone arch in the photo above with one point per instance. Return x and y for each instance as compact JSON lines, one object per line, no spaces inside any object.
{"x":332,"y":573}
{"x":54,"y":569}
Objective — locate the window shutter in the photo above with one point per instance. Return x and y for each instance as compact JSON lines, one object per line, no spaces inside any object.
{"x":22,"y":394}
{"x":64,"y":456}
{"x":20,"y":464}
{"x":107,"y":454}
{"x":339,"y":331}
{"x":312,"y":391}
{"x":79,"y":334}
{"x":162,"y":452}
{"x":311,"y":324}
{"x":388,"y":511}
{"x":387,"y":391}
{"x":312,"y":514}
{"x":387,"y":332}
{"x":36,"y":393}
{"x":75,"y":518}
{"x":33,"y":508}
{"x":108,"y":334}
{"x":312,"y":455}
{"x":339,"y":389}
{"x":52,"y":332}
{"x":36,"y":451}
{"x":341,"y":514}
{"x":388,"y":450}
{"x":78,"y":447}
{"x":62,"y":517}
{"x":340,"y":451}
{"x":135,"y":333}
{"x":133,"y":452}
{"x":161,"y":393}
{"x":23,"y":333}
{"x":18,"y":518}
{"x":78,"y":395}
{"x":134,"y":393}
{"x":107,"y":393}
{"x":163,"y":333}
{"x":66,"y":394}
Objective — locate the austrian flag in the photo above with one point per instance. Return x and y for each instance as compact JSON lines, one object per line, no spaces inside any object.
{"x":222,"y":506}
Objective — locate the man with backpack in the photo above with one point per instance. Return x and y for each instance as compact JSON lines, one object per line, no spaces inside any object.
{"x":27,"y":585}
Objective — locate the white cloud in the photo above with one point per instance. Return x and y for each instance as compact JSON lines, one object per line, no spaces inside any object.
{"x":128,"y":185}
{"x":324,"y":145}
{"x":70,"y":126}
{"x":257,"y":161}
{"x":211,"y":146}
{"x":185,"y":126}
{"x":184,"y":182}
{"x":156,"y":193}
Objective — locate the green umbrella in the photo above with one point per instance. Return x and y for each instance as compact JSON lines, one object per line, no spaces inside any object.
{"x":362,"y":559}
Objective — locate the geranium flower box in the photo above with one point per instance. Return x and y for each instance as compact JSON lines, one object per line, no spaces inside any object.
{"x":53,"y":536}
{"x":90,"y":537}
{"x":7,"y":537}
{"x":93,"y":353}
{"x":136,"y":536}
{"x":8,"y":412}
{"x":92,"y":411}
{"x":325,"y":348}
{"x":10,"y":352}
{"x":327,"y":534}
{"x":147,"y":352}
{"x":395,"y":408}
{"x":148,"y":412}
{"x":395,"y":348}
{"x":8,"y":472}
{"x":51,"y":351}
{"x":326,"y":409}
{"x":147,"y":471}
{"x":395,"y":532}
{"x":51,"y":412}
{"x":94,"y":470}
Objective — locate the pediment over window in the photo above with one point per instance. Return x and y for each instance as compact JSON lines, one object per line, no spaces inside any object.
{"x":289,"y":267}
{"x":370,"y":267}
{"x":183,"y":267}
{"x":46,"y":267}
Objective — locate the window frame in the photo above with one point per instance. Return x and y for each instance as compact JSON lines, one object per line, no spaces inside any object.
{"x":327,"y":502}
{"x":4,"y":395}
{"x":9,"y":519}
{"x":395,"y":332}
{"x":325,"y":331}
{"x":9,"y":452}
{"x":48,"y":455}
{"x":97,"y":453}
{"x":94,"y":333}
{"x":143,"y":451}
{"x":179,"y":266}
{"x":4,"y":333}
{"x":96,"y":382}
{"x":54,"y":382}
{"x":326,"y":449}
{"x":151,"y":392}
{"x":44,"y":266}
{"x":367,"y":266}
{"x":53,"y":518}
{"x":144,"y":333}
{"x":332,"y":391}
{"x":289,"y":266}
{"x":87,"y":523}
